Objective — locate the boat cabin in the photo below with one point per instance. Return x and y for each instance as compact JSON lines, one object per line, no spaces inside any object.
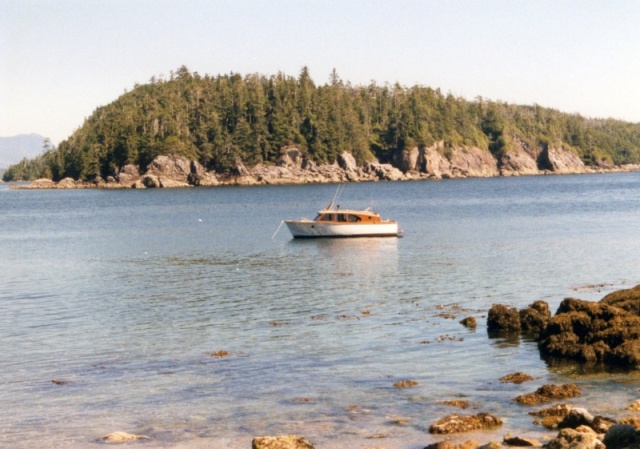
{"x":346,"y":216}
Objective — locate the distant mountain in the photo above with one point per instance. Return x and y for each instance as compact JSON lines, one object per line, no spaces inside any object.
{"x":14,"y":149}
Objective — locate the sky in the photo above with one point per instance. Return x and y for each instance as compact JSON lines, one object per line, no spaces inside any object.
{"x":62,"y":59}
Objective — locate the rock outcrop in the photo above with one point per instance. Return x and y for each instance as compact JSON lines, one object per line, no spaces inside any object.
{"x":605,"y":332}
{"x":560,"y":160}
{"x":595,"y":332}
{"x":293,"y":166}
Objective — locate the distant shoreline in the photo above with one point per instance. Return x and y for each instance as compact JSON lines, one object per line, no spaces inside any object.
{"x":292,"y":169}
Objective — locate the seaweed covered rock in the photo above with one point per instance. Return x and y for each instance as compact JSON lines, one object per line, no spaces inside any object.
{"x":464,"y":423}
{"x":535,"y":317}
{"x":628,"y":299}
{"x":503,"y":319}
{"x":547,"y":393}
{"x":596,"y":332}
{"x":281,"y":442}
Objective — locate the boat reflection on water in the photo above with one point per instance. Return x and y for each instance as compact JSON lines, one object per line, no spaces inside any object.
{"x":366,"y":258}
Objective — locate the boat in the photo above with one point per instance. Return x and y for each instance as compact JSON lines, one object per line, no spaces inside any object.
{"x":336,"y":222}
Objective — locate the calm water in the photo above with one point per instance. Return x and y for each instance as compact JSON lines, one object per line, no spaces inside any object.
{"x":125,"y":294}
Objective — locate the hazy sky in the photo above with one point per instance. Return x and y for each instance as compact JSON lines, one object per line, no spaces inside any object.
{"x":61,"y":59}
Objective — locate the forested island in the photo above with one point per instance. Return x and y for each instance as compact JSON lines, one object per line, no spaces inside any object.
{"x":233,"y":126}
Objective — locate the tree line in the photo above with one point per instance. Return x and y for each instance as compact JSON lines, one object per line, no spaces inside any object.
{"x":220,"y":120}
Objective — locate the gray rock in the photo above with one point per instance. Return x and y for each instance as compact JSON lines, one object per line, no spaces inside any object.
{"x":572,"y":439}
{"x":620,"y":436}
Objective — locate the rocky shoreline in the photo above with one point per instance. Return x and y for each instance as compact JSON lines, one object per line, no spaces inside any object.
{"x":612,"y":322}
{"x":294,"y":167}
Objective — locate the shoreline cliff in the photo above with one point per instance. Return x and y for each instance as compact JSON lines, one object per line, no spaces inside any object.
{"x":294,"y":167}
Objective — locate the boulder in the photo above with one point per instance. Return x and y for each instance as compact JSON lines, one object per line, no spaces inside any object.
{"x":464,"y":423}
{"x":620,"y":436}
{"x":66,"y":183}
{"x":177,"y":168}
{"x":281,"y":442}
{"x":577,"y":417}
{"x":151,"y":181}
{"x":502,"y":318}
{"x":347,"y":162}
{"x":572,"y":439}
{"x":128,"y":174}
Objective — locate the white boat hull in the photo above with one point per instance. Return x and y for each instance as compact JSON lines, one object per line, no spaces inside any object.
{"x":315,"y":229}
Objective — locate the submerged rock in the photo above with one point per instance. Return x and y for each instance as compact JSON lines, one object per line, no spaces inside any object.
{"x":122,"y":437}
{"x":405,"y":384}
{"x":281,"y":442}
{"x":469,"y":444}
{"x":456,"y":403}
{"x":464,"y":423}
{"x":521,"y":441}
{"x":516,"y":378}
{"x":469,"y":322}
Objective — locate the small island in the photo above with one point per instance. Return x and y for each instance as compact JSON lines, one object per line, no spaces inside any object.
{"x":194,"y":130}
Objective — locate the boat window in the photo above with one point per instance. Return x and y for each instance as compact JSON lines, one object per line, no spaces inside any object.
{"x":353,"y":218}
{"x":342,"y":217}
{"x":327,"y":217}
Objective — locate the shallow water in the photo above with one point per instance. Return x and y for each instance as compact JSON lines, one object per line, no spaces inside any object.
{"x":126,"y":294}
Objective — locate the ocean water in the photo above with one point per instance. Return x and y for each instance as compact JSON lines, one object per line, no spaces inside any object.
{"x":125,"y":298}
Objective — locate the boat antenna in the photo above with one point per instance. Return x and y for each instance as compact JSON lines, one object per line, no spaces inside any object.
{"x":337,"y":194}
